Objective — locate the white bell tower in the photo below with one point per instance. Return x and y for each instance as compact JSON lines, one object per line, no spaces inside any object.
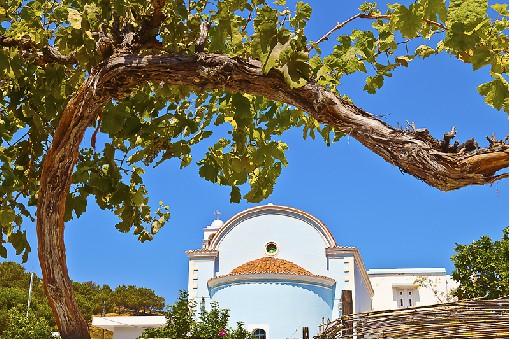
{"x":211,"y":230}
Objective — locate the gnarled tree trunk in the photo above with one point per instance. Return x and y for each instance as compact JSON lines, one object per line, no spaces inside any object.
{"x":55,"y":184}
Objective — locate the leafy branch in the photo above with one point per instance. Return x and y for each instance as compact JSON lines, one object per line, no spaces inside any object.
{"x":339,"y":25}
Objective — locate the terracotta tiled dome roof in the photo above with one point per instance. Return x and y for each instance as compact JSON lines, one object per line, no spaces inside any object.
{"x":270,"y":265}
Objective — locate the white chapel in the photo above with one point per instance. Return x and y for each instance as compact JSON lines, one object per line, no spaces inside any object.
{"x":280,"y":271}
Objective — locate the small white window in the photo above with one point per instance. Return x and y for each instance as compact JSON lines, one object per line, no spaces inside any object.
{"x":406,"y":298}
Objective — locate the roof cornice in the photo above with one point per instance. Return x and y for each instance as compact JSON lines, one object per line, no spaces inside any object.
{"x":315,"y":280}
{"x":271,"y":209}
{"x":407,"y":271}
{"x":202,"y":253}
{"x":333,"y":252}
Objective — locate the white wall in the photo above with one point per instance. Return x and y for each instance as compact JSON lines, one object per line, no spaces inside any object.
{"x":362,"y":298}
{"x":298,"y":242}
{"x":128,"y":327}
{"x":285,"y":308}
{"x":127,"y":332}
{"x":387,"y":285}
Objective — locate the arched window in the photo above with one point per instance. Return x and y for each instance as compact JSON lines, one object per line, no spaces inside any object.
{"x":259,"y":333}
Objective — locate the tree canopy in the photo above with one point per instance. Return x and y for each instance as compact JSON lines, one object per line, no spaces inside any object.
{"x":481,"y":268}
{"x":155,"y":79}
{"x":92,"y":299}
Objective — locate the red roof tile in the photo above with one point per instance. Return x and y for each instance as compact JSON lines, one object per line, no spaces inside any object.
{"x":270,"y":265}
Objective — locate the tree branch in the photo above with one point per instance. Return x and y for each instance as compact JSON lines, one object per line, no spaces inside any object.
{"x":44,"y":55}
{"x":339,"y":25}
{"x":157,"y":14}
{"x":415,"y":152}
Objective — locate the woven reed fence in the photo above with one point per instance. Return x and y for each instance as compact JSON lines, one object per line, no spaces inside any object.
{"x":481,"y":319}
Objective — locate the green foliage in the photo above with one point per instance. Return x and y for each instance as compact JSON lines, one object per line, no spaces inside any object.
{"x":91,"y":299}
{"x":157,"y":122}
{"x":481,"y":268}
{"x":14,"y":284}
{"x":180,"y":320}
{"x":183,"y":323}
{"x":137,"y":300}
{"x":23,"y":327}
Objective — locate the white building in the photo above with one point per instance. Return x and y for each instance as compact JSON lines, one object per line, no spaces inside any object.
{"x":280,"y":271}
{"x":409,"y":287}
{"x":128,"y":327}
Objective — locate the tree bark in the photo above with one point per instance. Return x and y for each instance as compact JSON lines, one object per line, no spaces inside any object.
{"x":55,"y":184}
{"x":413,"y":151}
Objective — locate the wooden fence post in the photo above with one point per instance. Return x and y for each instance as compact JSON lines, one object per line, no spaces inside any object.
{"x":347,"y":309}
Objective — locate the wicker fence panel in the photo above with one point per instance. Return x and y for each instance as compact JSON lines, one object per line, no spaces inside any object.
{"x":481,"y":319}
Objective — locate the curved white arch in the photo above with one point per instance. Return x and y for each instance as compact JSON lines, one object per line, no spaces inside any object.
{"x":272,"y":210}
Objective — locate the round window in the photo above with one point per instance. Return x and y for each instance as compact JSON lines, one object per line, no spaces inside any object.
{"x":271,"y":248}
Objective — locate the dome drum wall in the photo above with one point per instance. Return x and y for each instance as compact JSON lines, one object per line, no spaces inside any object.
{"x":286,"y":306}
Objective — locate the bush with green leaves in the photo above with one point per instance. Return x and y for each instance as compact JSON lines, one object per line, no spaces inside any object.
{"x":481,"y":268}
{"x":184,"y":323}
{"x":22,"y":327}
{"x":14,"y":285}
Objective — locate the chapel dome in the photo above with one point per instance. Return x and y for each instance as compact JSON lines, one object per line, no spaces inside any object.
{"x":270,"y":265}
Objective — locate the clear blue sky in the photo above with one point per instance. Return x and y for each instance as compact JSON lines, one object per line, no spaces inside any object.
{"x":395,"y":220}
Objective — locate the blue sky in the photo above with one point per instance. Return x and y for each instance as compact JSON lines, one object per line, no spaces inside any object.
{"x":394,"y":219}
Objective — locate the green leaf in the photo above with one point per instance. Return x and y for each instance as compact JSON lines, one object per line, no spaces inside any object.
{"x":373,"y":83}
{"x":112,"y":120}
{"x":122,"y":194}
{"x":432,"y":9}
{"x":481,"y":57}
{"x":406,"y":20}
{"x":403,"y":60}
{"x":103,"y":184}
{"x":208,"y":171}
{"x":495,"y":92}
{"x":139,"y":198}
{"x":501,"y":9}
{"x":235,"y":195}
{"x":3,"y":250}
{"x":424,"y":51}
{"x":272,"y":59}
{"x":367,"y":7}
{"x":6,"y":216}
{"x":80,"y":205}
{"x":93,"y":14}
{"x":74,"y":17}
{"x":464,"y":16}
{"x":469,"y":12}
{"x":296,"y":73}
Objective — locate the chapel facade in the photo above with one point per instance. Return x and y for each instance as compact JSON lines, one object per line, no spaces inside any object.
{"x":278,"y":270}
